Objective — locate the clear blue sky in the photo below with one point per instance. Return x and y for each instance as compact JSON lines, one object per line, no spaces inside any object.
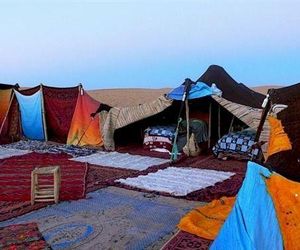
{"x":110,"y":44}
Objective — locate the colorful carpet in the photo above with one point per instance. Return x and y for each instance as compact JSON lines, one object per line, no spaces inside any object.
{"x":12,"y":209}
{"x":50,"y":147}
{"x":121,"y":160}
{"x":21,"y":237}
{"x":99,"y":177}
{"x":134,"y":149}
{"x":110,"y":218}
{"x":228,"y":187}
{"x":177,"y":181}
{"x":186,"y":241}
{"x":15,"y":176}
{"x":7,"y":152}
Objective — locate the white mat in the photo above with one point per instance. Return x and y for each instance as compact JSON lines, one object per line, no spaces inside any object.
{"x":121,"y":160}
{"x":8,"y":152}
{"x":177,"y":181}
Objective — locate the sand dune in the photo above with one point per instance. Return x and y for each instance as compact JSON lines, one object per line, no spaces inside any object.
{"x":264,"y":89}
{"x":135,"y":96}
{"x":126,"y":97}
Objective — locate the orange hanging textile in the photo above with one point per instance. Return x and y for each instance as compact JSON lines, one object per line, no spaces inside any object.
{"x":206,"y":221}
{"x":286,"y":198}
{"x":5,"y":96}
{"x":279,"y":140}
{"x":84,"y":129}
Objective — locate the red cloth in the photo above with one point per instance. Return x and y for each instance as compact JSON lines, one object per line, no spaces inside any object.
{"x":22,"y":236}
{"x":59,"y":105}
{"x":186,"y":241}
{"x":15,"y":176}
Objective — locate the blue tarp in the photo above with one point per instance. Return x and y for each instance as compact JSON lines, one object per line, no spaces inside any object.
{"x":197,"y":91}
{"x":31,"y":115}
{"x":252,"y":223}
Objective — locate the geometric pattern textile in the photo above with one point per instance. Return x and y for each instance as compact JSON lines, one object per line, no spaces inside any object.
{"x":236,"y":143}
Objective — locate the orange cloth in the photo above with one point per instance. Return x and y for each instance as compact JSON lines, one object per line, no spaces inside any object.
{"x":5,"y":96}
{"x":206,"y":221}
{"x":83,"y":127}
{"x":286,"y":198}
{"x":279,"y":140}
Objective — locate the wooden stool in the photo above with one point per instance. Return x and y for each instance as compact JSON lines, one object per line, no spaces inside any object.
{"x":45,"y":193}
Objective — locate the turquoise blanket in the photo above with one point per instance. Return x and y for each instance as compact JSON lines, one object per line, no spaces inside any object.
{"x":31,"y":115}
{"x":252,"y":223}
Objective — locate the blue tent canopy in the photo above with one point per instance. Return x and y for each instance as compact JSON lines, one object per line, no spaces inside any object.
{"x":198,"y":90}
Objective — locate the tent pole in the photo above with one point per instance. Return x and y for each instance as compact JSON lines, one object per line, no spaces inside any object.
{"x":43,"y":113}
{"x":6,"y":115}
{"x":187,"y":116}
{"x":219,"y":121}
{"x":231,"y":124}
{"x":262,"y":119}
{"x":209,"y":126}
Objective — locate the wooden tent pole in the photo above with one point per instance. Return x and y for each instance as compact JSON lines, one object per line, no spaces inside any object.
{"x":6,"y":115}
{"x":231,"y":124}
{"x":219,"y":121}
{"x":187,"y":116}
{"x":43,"y":113}
{"x":262,"y":119}
{"x":209,"y":126}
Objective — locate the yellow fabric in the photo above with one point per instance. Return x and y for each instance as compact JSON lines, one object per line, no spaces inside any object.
{"x":279,"y":140}
{"x":286,"y":198}
{"x":206,"y":221}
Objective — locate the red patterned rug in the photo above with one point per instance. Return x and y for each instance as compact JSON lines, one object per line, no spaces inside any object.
{"x":186,"y":241}
{"x":100,"y":177}
{"x":96,"y":178}
{"x":15,"y":176}
{"x":22,"y":237}
{"x":138,"y":150}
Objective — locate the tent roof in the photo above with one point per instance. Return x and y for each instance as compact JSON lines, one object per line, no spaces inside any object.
{"x":9,"y":86}
{"x":198,"y":90}
{"x":232,"y":91}
{"x":249,"y":115}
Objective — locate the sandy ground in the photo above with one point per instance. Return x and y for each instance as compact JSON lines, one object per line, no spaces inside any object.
{"x":134,"y":96}
{"x":264,"y":89}
{"x":127,"y":97}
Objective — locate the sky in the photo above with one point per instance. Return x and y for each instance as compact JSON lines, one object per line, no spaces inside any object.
{"x":148,"y":44}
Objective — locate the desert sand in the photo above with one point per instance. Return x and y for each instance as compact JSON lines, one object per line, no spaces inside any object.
{"x":127,"y":97}
{"x":264,"y":89}
{"x":134,"y":96}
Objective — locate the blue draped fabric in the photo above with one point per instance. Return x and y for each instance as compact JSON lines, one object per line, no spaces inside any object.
{"x":31,"y":115}
{"x":252,"y":223}
{"x":197,"y":91}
